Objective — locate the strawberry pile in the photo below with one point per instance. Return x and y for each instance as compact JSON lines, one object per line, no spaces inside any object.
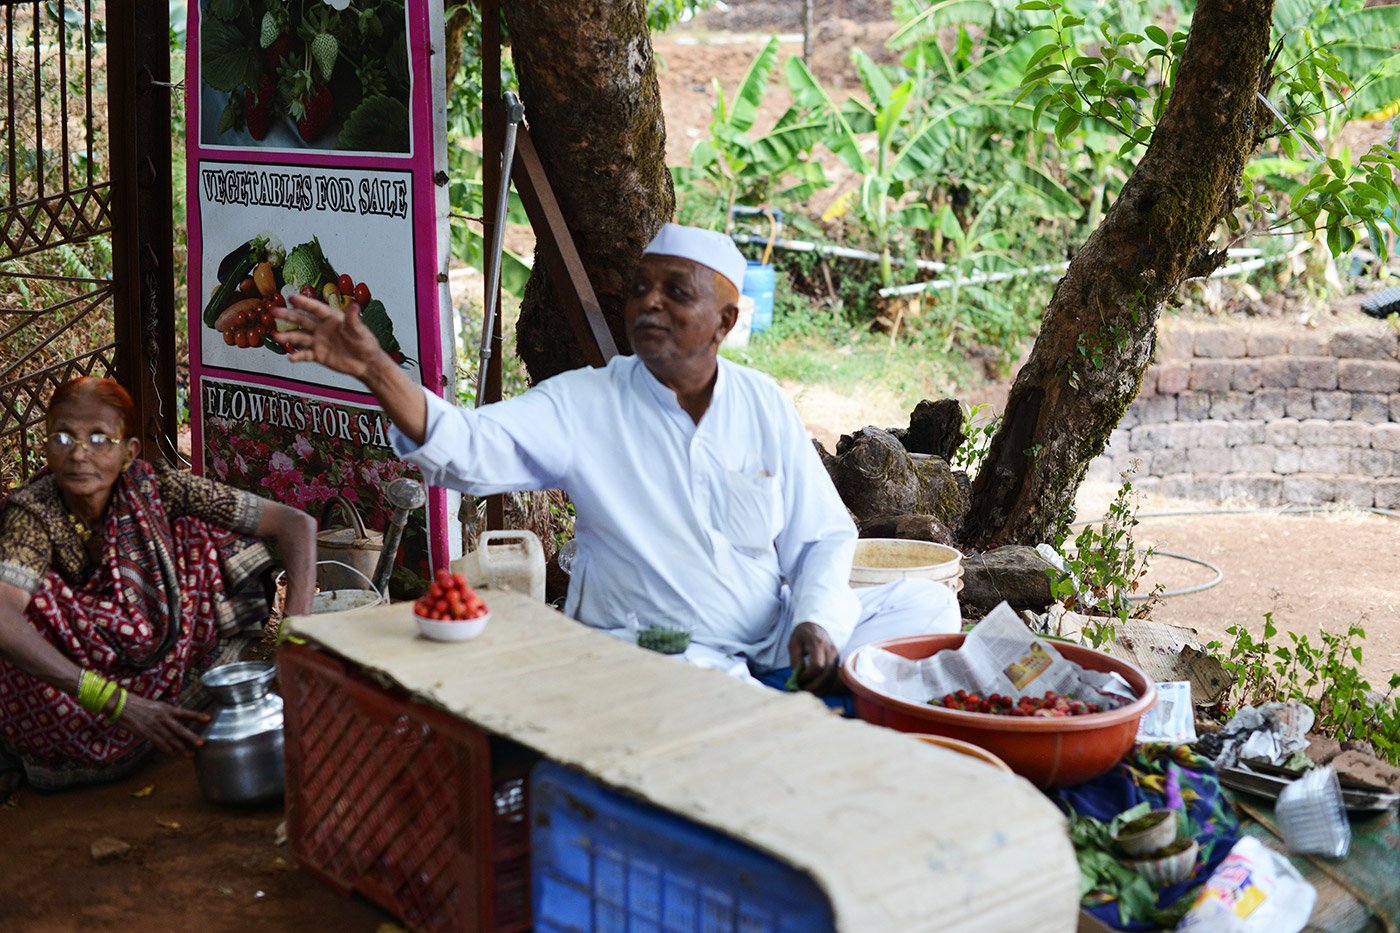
{"x":450,"y":599}
{"x":1049,"y":706}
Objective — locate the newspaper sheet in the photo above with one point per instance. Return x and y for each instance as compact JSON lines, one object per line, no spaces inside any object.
{"x":1000,"y":655}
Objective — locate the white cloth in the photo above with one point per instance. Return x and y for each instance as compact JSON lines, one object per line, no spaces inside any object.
{"x":730,"y":528}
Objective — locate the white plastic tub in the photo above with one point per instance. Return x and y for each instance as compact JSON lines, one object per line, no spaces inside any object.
{"x":885,"y":560}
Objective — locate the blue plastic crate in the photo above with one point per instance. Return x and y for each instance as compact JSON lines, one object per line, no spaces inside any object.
{"x":604,"y":862}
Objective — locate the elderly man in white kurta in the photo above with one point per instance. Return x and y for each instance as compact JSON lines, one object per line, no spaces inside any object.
{"x":700,"y":499}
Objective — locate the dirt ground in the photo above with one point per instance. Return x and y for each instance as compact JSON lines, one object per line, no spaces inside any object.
{"x":192,"y":864}
{"x":1328,"y":570}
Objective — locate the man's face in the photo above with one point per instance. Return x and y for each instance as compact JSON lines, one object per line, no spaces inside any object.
{"x":678,"y":311}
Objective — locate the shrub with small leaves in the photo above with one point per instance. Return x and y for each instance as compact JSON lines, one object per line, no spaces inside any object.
{"x":1325,"y":676}
{"x":1104,"y":569}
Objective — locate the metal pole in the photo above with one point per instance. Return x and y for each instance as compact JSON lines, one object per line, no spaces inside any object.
{"x":515,"y":114}
{"x":807,"y":31}
{"x":493,"y":132}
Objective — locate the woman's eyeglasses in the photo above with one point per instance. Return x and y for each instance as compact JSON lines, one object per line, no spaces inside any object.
{"x":97,"y":442}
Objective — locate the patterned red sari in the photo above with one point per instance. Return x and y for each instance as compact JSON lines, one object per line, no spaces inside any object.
{"x":150,"y":615}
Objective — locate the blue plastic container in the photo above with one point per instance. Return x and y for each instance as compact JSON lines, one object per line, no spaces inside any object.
{"x":603,"y":862}
{"x":758,"y":285}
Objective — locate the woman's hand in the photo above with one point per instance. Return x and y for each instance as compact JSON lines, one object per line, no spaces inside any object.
{"x":815,"y":655}
{"x":162,"y":724}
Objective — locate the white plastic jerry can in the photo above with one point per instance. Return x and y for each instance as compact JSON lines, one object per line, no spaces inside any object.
{"x":505,"y":560}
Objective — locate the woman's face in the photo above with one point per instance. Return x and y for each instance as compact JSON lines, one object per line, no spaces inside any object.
{"x":86,"y":469}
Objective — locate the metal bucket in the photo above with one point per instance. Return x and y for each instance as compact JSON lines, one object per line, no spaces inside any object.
{"x":344,"y":600}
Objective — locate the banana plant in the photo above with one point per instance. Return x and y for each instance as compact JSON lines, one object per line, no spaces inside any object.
{"x":897,"y":144}
{"x":735,"y":166}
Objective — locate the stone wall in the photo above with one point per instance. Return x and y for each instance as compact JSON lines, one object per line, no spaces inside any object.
{"x":1272,"y":414}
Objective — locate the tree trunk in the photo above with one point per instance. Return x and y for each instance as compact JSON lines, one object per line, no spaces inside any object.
{"x":1098,"y":333}
{"x":588,"y":80}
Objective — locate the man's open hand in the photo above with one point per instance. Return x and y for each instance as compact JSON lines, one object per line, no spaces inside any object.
{"x":335,"y":339}
{"x":814,"y":654}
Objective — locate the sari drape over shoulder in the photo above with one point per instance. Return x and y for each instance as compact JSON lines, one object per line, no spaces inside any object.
{"x":176,"y":578}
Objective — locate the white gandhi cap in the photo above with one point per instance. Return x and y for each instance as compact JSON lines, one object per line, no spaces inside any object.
{"x":709,"y":248}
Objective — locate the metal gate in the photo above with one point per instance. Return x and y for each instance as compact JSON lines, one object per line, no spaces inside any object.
{"x":85,"y":215}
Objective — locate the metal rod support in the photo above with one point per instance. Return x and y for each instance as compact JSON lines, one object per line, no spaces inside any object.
{"x":515,"y":114}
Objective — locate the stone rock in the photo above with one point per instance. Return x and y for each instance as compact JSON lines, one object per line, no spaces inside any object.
{"x":934,"y":428}
{"x":108,"y":849}
{"x":1322,"y":749}
{"x":1367,"y":769}
{"x":907,"y":527}
{"x":1014,"y":573}
{"x":944,"y":493}
{"x":874,"y":474}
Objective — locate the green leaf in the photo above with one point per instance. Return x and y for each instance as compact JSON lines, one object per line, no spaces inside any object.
{"x":877,"y":86}
{"x":1067,"y":123}
{"x":1046,"y":50}
{"x":1041,"y":72}
{"x":753,"y":87}
{"x":1057,"y":200}
{"x":227,"y":9}
{"x":228,"y":58}
{"x":377,"y":320}
{"x":380,"y":124}
{"x":808,"y":92}
{"x":946,"y":13}
{"x":232,"y":116}
{"x":1158,"y":35}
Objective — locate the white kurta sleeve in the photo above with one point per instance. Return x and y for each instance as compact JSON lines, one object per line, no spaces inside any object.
{"x":818,"y":539}
{"x":520,"y":443}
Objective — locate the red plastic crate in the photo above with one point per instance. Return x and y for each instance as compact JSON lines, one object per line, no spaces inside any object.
{"x":416,"y":810}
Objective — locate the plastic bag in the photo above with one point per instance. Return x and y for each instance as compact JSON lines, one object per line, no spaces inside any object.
{"x":1313,"y":815}
{"x":1255,"y":890}
{"x":1172,"y":720}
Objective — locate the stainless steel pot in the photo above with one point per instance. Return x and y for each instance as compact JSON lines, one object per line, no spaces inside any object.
{"x":241,"y":758}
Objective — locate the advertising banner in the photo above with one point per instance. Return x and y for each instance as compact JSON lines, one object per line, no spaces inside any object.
{"x":316,"y":144}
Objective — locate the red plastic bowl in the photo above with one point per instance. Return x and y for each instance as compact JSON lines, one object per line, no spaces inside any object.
{"x":1047,"y":752}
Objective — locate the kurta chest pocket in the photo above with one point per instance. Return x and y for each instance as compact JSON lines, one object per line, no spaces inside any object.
{"x":749,"y":514}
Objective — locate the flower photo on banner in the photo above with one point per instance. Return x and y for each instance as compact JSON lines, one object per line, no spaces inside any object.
{"x":305,"y":470}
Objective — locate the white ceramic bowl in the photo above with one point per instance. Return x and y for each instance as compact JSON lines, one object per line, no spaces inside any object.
{"x":1163,"y":870}
{"x":463,"y":630}
{"x":1148,"y":841}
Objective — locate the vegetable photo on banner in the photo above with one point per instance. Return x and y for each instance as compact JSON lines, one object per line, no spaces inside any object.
{"x":261,"y":274}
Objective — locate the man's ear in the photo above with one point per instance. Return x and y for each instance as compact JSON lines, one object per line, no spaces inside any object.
{"x":728,"y":317}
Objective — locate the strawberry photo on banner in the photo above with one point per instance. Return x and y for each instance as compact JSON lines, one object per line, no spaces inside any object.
{"x":305,"y":74}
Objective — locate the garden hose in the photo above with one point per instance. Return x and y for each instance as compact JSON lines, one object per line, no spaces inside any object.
{"x":1220,"y":574}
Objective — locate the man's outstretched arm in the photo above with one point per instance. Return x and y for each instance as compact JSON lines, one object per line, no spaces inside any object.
{"x":340,"y":341}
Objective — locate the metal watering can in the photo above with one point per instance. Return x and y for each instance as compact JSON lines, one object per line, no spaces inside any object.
{"x":345,"y":556}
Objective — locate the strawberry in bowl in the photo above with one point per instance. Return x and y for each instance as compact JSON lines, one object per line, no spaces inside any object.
{"x":450,"y":610}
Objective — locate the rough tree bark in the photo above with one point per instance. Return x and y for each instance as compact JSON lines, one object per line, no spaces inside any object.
{"x":1063,"y":404}
{"x":588,"y":79}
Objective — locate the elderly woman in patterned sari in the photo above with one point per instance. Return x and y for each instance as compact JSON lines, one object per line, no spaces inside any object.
{"x":121,"y":581}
